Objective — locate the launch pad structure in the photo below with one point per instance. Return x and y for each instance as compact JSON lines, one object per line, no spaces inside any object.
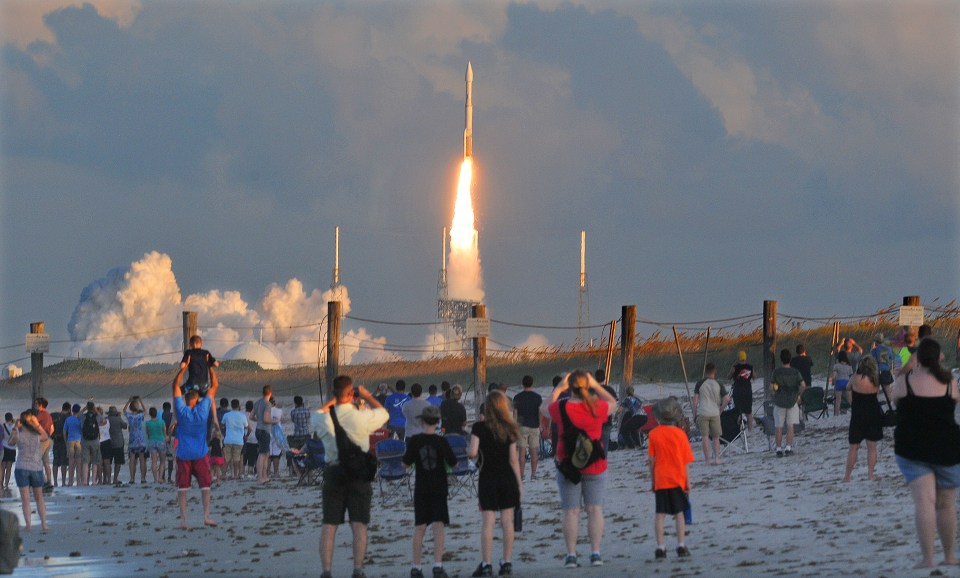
{"x":452,"y":313}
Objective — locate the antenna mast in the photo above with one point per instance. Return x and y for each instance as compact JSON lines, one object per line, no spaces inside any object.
{"x":583,"y":295}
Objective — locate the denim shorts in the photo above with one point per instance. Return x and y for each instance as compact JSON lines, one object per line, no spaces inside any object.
{"x":590,"y":488}
{"x":25,"y":478}
{"x":946,"y":476}
{"x":157,"y":446}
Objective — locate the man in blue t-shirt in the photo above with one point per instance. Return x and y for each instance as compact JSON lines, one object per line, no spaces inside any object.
{"x":71,"y":433}
{"x":887,"y":362}
{"x":394,"y":406}
{"x":193,"y":413}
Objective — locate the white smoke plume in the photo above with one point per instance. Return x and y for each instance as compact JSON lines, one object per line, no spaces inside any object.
{"x":136,"y":312}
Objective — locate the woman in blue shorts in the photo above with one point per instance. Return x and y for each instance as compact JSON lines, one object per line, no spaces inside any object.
{"x":29,"y":471}
{"x":842,"y":372}
{"x":927,"y":446}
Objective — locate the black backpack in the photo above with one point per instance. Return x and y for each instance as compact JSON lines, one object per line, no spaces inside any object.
{"x":90,"y":428}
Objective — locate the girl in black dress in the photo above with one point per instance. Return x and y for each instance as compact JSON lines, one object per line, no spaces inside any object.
{"x":500,"y":486}
{"x":865,"y":415}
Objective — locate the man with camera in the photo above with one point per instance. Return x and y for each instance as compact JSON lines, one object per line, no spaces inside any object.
{"x":342,"y":492}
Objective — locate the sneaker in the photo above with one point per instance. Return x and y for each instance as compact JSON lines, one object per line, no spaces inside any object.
{"x":660,"y":554}
{"x":788,"y":451}
{"x":570,"y":561}
{"x":506,"y":569}
{"x":779,"y":452}
{"x":416,"y":573}
{"x":483,"y":570}
{"x":596,"y":559}
{"x":683,"y":552}
{"x":439,"y":572}
{"x":358,"y":573}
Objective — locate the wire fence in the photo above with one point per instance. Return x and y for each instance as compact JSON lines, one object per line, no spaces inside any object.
{"x":727,"y":332}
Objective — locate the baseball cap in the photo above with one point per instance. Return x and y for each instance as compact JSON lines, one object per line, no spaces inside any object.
{"x":76,"y":407}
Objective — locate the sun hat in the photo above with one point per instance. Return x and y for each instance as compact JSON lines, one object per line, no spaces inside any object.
{"x":667,"y":411}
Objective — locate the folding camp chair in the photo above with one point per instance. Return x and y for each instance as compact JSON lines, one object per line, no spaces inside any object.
{"x":813,"y":401}
{"x":462,"y":476}
{"x":732,"y":433}
{"x":311,"y":463}
{"x":649,"y":425}
{"x":378,"y":436}
{"x":393,"y":478}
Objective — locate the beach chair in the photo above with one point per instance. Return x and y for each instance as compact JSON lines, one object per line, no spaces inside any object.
{"x":732,"y":432}
{"x":813,"y":402}
{"x":393,"y":478}
{"x":377,"y":437}
{"x":649,"y":425}
{"x":463,"y":476}
{"x":311,"y":463}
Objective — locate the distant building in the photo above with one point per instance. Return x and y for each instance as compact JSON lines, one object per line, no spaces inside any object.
{"x":256,"y":352}
{"x":12,"y":372}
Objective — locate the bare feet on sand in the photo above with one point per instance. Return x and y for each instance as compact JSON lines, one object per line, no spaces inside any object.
{"x":209,"y":522}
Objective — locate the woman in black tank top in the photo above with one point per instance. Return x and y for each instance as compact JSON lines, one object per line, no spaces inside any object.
{"x":927,"y":447}
{"x":865,"y":415}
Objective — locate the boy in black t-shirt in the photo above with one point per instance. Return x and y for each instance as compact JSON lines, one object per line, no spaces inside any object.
{"x":198,"y":362}
{"x":430,"y":454}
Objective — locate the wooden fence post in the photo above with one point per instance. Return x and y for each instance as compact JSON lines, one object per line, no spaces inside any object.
{"x":36,"y":368}
{"x":333,"y":344}
{"x":769,"y":346}
{"x":628,"y":326}
{"x":479,"y":359}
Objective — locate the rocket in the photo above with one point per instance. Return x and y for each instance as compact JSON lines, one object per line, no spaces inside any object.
{"x":468,"y":115}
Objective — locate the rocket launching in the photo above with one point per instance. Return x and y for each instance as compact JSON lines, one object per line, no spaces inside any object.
{"x":465,"y":277}
{"x":468,"y":115}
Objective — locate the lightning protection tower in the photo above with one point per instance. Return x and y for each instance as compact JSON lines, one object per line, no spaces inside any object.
{"x":583,"y":295}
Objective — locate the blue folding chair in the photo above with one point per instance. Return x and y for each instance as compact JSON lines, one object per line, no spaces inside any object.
{"x":462,"y":476}
{"x":393,"y":478}
{"x":311,"y":463}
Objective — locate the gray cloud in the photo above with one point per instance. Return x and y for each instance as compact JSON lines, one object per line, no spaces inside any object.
{"x":234,"y":138}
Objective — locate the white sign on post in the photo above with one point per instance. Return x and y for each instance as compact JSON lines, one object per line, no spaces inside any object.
{"x":911,"y":315}
{"x":478,"y":327}
{"x":38,"y":342}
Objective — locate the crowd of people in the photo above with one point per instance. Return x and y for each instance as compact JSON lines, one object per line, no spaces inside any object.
{"x":88,"y":447}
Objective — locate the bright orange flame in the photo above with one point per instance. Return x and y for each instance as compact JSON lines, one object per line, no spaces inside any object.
{"x":464,"y":277}
{"x":463,"y":234}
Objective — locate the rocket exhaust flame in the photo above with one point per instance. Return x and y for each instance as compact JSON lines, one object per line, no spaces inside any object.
{"x":464,"y":274}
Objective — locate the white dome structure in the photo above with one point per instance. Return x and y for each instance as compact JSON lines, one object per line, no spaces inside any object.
{"x":256,"y":352}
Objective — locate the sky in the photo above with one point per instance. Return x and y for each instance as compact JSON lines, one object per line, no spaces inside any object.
{"x":160,"y":155}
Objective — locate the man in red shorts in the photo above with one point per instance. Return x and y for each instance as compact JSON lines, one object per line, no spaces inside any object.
{"x":193,"y":414}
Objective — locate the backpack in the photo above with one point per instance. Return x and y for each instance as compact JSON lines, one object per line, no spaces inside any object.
{"x":582,"y":450}
{"x":90,"y":429}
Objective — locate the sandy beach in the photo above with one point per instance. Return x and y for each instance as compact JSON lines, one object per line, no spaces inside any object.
{"x":753,"y":514}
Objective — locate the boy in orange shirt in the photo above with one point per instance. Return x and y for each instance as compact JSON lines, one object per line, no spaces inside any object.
{"x":669,"y":451}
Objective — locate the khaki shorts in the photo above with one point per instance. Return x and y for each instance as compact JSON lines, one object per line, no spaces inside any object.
{"x":529,"y":438}
{"x":785,"y":415}
{"x":45,"y":452}
{"x":90,"y":453}
{"x":232,"y":453}
{"x":709,"y":425}
{"x":73,"y":450}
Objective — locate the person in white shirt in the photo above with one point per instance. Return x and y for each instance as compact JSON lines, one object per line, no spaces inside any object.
{"x":340,"y":492}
